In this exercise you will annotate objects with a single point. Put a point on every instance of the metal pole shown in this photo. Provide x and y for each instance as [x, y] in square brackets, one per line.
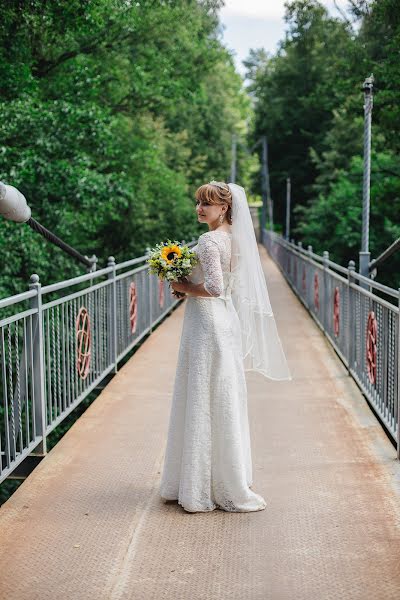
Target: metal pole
[326, 299]
[39, 395]
[267, 201]
[263, 190]
[233, 161]
[288, 191]
[364, 254]
[112, 315]
[351, 323]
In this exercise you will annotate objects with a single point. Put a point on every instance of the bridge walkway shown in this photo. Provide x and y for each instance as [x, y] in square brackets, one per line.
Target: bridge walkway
[88, 523]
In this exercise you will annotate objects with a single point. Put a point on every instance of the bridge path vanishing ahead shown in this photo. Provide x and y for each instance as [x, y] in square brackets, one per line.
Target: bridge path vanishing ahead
[88, 523]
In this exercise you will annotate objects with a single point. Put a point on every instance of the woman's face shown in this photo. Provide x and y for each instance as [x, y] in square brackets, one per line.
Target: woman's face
[208, 213]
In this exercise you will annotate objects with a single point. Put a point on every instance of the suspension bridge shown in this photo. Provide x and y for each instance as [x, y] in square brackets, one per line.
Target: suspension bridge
[88, 521]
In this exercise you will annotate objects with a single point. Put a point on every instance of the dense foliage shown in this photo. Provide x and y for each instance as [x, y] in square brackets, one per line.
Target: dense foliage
[113, 112]
[309, 102]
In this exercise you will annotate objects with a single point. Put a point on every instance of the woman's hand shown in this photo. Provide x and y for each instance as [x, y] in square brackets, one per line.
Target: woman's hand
[187, 288]
[178, 295]
[180, 285]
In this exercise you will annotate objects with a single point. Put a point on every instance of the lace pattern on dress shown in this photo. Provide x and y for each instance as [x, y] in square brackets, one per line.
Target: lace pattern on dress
[214, 255]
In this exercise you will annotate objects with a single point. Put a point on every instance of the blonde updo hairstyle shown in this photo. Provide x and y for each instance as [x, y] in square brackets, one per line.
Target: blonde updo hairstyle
[217, 192]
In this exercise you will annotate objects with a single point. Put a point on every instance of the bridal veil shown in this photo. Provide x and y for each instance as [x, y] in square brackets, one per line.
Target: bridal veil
[261, 345]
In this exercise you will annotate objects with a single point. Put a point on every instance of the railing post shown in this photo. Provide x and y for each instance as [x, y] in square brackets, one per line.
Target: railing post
[325, 260]
[150, 296]
[39, 398]
[112, 314]
[351, 308]
[398, 375]
[310, 287]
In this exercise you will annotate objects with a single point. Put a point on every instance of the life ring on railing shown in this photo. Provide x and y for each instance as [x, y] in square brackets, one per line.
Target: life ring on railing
[336, 311]
[316, 291]
[372, 329]
[83, 342]
[133, 306]
[161, 293]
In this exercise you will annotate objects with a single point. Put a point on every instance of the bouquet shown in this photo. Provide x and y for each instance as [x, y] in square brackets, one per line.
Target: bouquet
[172, 261]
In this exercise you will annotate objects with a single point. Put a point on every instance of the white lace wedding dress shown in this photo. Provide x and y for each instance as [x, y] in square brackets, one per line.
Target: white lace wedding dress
[208, 456]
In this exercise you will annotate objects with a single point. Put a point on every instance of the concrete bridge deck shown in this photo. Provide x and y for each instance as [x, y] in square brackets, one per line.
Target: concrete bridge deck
[88, 523]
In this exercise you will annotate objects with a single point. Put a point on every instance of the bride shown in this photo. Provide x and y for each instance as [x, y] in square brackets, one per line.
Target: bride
[228, 328]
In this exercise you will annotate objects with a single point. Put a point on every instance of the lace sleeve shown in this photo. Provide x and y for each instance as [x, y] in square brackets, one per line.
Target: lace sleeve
[209, 256]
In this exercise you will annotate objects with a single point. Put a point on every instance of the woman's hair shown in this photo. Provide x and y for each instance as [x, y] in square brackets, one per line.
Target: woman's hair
[217, 192]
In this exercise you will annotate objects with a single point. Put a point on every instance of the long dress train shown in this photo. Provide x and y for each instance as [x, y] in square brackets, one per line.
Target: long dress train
[207, 461]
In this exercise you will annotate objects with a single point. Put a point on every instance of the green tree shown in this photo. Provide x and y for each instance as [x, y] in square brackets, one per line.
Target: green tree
[113, 113]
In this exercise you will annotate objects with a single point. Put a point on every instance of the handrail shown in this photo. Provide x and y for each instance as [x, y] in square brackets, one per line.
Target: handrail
[318, 258]
[54, 354]
[362, 327]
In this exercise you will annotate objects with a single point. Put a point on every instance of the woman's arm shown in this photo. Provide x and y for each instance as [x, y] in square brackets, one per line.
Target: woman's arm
[191, 289]
[210, 261]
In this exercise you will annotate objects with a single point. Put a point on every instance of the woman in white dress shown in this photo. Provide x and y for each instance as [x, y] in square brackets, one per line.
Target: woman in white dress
[228, 327]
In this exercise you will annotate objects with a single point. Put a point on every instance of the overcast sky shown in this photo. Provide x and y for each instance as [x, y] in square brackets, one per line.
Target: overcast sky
[257, 24]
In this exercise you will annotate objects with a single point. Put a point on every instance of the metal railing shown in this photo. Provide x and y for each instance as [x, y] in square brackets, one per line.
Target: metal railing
[69, 336]
[362, 326]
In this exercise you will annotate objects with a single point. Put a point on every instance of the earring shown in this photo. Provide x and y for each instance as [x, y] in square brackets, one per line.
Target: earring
[221, 218]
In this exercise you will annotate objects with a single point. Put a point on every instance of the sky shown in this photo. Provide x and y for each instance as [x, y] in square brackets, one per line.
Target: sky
[257, 24]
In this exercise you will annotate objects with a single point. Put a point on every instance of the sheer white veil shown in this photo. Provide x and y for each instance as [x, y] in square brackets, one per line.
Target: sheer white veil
[261, 345]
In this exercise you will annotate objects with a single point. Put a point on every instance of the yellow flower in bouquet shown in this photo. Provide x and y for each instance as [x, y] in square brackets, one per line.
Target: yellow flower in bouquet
[169, 253]
[172, 261]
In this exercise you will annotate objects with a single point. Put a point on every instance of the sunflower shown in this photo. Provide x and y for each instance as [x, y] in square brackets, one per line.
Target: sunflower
[169, 253]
